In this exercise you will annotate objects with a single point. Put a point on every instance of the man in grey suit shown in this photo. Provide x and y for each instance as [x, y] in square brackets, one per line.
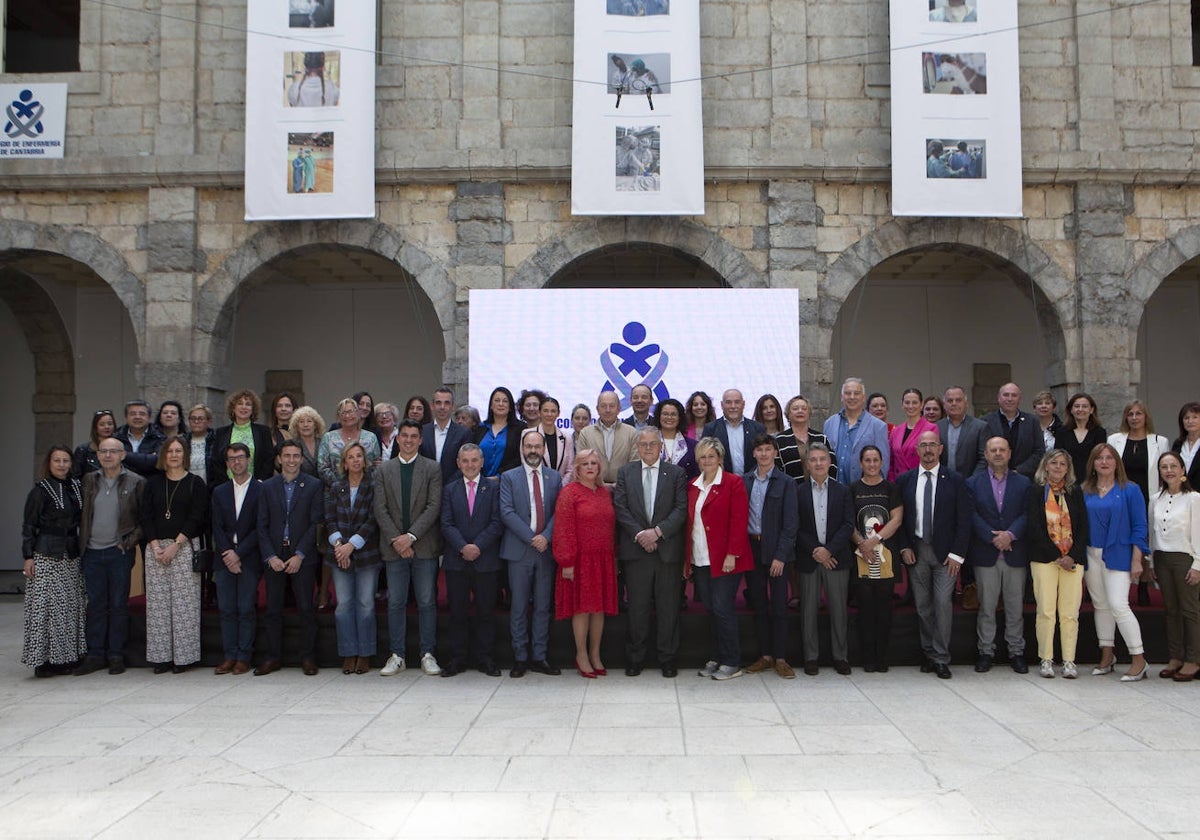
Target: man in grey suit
[408, 505]
[963, 435]
[651, 503]
[1019, 428]
[528, 494]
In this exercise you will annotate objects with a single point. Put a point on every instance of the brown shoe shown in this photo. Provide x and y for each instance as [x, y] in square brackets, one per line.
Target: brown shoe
[240, 667]
[784, 670]
[225, 667]
[970, 598]
[309, 666]
[841, 666]
[363, 665]
[811, 668]
[764, 663]
[349, 663]
[269, 666]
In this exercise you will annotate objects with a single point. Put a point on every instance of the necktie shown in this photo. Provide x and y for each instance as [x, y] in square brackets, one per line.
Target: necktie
[538, 506]
[648, 490]
[927, 509]
[470, 497]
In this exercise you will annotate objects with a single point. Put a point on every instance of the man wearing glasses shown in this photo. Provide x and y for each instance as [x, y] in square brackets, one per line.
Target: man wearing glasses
[238, 564]
[109, 531]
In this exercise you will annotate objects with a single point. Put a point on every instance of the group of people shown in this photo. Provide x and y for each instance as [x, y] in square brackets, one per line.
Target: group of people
[574, 523]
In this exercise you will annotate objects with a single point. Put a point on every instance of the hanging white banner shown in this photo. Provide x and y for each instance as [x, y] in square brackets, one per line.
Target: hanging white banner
[956, 108]
[310, 109]
[637, 138]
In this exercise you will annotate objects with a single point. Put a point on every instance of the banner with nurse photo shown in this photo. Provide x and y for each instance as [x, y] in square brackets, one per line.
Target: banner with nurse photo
[956, 108]
[637, 144]
[310, 109]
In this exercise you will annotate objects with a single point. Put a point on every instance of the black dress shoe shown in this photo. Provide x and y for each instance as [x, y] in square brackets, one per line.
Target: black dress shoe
[670, 671]
[179, 669]
[116, 665]
[452, 670]
[811, 668]
[489, 669]
[943, 671]
[269, 666]
[309, 666]
[519, 670]
[927, 667]
[842, 667]
[868, 668]
[983, 664]
[633, 670]
[1019, 664]
[543, 666]
[162, 667]
[89, 665]
[881, 669]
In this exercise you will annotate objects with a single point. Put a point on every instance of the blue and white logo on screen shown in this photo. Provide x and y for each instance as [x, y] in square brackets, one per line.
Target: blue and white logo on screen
[24, 116]
[634, 358]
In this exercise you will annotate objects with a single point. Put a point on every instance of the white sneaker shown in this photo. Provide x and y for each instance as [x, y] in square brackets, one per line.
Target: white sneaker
[1047, 669]
[429, 665]
[393, 666]
[710, 668]
[1070, 672]
[727, 672]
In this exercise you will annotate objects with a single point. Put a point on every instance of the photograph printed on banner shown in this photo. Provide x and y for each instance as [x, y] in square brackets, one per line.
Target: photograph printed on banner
[952, 11]
[639, 8]
[310, 162]
[310, 14]
[954, 73]
[635, 74]
[954, 158]
[638, 164]
[312, 79]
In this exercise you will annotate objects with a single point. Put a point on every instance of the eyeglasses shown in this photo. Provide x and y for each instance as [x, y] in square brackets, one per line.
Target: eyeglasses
[110, 451]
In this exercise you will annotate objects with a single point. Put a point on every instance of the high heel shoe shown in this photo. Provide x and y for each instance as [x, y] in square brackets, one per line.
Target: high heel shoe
[1140, 675]
[1101, 670]
[589, 675]
[601, 672]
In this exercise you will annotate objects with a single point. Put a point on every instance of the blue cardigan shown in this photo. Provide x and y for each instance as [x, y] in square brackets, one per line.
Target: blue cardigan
[1126, 527]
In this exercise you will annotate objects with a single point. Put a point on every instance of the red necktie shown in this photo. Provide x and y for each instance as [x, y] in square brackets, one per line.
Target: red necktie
[538, 507]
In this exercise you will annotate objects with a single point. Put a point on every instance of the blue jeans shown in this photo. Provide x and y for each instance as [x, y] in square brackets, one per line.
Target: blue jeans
[718, 594]
[423, 573]
[355, 614]
[106, 575]
[237, 599]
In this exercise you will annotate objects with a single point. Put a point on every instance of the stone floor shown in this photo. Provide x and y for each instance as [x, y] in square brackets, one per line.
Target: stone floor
[331, 756]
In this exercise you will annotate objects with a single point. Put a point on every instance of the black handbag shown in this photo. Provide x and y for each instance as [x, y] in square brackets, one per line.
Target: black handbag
[202, 560]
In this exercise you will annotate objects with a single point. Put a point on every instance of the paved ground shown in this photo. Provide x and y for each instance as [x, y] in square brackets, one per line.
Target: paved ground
[333, 756]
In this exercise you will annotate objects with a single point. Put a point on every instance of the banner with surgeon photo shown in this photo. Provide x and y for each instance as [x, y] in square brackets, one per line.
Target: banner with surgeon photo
[593, 340]
[956, 108]
[310, 109]
[637, 142]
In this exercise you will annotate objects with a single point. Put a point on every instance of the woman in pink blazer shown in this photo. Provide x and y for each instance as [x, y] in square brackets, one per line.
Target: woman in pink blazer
[903, 436]
[718, 552]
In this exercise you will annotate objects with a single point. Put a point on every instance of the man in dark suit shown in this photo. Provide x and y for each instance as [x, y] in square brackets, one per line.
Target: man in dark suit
[937, 527]
[472, 529]
[774, 521]
[238, 564]
[289, 508]
[998, 551]
[408, 505]
[528, 494]
[823, 557]
[641, 398]
[1019, 428]
[962, 434]
[140, 438]
[735, 431]
[651, 503]
[441, 439]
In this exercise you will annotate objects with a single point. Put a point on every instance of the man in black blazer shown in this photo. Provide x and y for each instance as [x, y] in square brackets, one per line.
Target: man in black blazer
[289, 510]
[824, 555]
[963, 435]
[441, 439]
[1019, 428]
[733, 427]
[471, 528]
[774, 521]
[650, 544]
[238, 564]
[641, 399]
[937, 527]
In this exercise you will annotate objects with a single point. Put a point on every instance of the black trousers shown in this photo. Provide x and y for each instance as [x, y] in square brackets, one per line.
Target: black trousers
[302, 583]
[485, 586]
[874, 619]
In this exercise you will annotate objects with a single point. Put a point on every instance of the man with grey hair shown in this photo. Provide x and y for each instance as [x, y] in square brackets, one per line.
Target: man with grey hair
[963, 435]
[651, 503]
[853, 428]
[613, 440]
[735, 431]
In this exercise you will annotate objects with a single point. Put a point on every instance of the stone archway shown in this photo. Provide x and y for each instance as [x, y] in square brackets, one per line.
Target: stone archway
[217, 298]
[1161, 262]
[1002, 248]
[598, 234]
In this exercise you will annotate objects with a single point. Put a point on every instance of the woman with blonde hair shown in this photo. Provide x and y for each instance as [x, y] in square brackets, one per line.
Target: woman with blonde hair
[308, 427]
[329, 455]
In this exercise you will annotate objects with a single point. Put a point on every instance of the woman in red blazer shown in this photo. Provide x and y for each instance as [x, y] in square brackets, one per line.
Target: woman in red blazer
[718, 552]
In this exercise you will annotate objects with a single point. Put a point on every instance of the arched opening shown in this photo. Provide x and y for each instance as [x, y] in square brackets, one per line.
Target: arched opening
[636, 265]
[937, 315]
[1168, 345]
[326, 320]
[69, 348]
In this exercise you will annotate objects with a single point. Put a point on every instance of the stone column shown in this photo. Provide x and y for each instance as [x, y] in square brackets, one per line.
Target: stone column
[1109, 313]
[175, 129]
[476, 260]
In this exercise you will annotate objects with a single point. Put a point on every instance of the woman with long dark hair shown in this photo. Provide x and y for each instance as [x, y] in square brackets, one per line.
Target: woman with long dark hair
[699, 414]
[499, 437]
[1175, 563]
[1080, 432]
[84, 460]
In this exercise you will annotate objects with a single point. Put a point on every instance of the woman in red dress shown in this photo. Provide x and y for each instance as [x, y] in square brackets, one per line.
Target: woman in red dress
[586, 588]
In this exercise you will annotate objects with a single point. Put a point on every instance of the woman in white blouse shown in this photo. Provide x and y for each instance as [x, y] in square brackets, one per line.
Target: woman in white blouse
[1175, 553]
